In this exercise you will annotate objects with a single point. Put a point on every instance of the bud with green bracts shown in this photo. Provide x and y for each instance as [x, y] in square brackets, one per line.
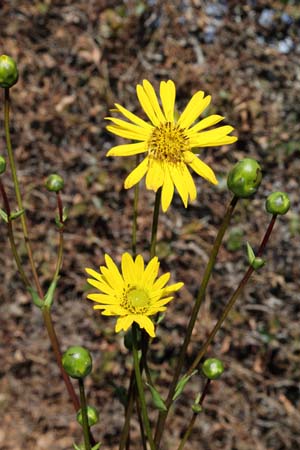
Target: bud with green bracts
[2, 165]
[212, 368]
[77, 362]
[93, 416]
[54, 183]
[244, 178]
[278, 203]
[8, 72]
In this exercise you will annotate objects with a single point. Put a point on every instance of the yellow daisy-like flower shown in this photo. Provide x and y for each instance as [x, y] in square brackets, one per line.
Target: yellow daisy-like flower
[169, 143]
[135, 294]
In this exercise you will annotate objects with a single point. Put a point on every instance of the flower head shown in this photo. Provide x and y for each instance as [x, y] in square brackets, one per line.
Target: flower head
[170, 144]
[134, 294]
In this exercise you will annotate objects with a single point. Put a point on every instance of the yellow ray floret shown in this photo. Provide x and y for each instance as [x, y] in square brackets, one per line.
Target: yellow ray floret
[170, 145]
[133, 294]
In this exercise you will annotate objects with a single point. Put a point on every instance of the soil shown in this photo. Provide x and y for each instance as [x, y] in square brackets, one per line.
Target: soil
[76, 59]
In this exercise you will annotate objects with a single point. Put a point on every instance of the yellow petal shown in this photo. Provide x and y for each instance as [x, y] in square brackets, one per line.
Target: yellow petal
[139, 267]
[168, 95]
[150, 273]
[94, 274]
[173, 288]
[211, 137]
[203, 170]
[177, 175]
[101, 286]
[155, 175]
[194, 108]
[167, 191]
[127, 126]
[123, 323]
[190, 185]
[128, 269]
[146, 105]
[205, 123]
[146, 323]
[127, 149]
[161, 281]
[150, 92]
[126, 133]
[135, 119]
[113, 270]
[137, 174]
[103, 298]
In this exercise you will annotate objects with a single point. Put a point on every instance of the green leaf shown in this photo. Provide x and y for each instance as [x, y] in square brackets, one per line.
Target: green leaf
[3, 215]
[181, 385]
[157, 400]
[250, 253]
[35, 297]
[76, 447]
[65, 214]
[48, 299]
[16, 214]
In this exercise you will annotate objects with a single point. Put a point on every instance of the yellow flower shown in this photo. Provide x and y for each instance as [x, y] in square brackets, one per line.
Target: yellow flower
[170, 144]
[134, 295]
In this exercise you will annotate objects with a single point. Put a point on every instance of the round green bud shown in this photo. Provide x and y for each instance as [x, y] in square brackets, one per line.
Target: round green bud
[77, 362]
[244, 178]
[278, 203]
[54, 183]
[212, 368]
[93, 416]
[8, 72]
[2, 165]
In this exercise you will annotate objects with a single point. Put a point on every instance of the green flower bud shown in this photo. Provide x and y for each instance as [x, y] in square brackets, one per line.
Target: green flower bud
[8, 72]
[77, 362]
[54, 183]
[93, 416]
[244, 178]
[212, 368]
[278, 203]
[2, 165]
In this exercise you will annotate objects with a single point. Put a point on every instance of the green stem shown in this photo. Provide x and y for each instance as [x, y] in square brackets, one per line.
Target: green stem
[85, 420]
[155, 224]
[55, 346]
[61, 236]
[200, 297]
[128, 413]
[194, 417]
[12, 238]
[139, 383]
[135, 213]
[233, 299]
[17, 189]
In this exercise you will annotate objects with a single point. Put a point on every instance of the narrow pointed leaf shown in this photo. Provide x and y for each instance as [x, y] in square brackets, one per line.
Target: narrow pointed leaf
[181, 384]
[16, 214]
[157, 400]
[36, 298]
[250, 253]
[48, 299]
[3, 215]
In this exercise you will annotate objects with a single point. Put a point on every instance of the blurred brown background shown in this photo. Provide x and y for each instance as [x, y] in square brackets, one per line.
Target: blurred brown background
[76, 58]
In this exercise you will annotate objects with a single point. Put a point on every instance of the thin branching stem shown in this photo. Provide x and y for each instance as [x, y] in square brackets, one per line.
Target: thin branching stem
[200, 297]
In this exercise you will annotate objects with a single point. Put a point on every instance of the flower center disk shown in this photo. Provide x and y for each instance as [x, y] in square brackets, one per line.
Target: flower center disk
[138, 298]
[168, 143]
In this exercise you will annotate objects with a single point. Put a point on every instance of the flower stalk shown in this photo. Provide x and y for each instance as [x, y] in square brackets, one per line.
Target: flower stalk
[200, 297]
